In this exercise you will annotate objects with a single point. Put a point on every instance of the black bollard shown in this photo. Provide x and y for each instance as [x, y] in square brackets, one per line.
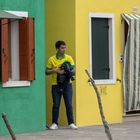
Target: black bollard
[8, 126]
[105, 124]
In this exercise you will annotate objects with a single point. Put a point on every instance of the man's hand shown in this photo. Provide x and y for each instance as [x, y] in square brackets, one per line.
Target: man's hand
[59, 70]
[55, 70]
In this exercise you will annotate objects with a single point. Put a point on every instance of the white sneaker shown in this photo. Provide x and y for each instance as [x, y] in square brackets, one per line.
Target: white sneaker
[53, 126]
[73, 126]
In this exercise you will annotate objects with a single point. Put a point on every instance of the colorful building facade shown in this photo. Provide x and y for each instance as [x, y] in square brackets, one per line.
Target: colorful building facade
[22, 87]
[93, 31]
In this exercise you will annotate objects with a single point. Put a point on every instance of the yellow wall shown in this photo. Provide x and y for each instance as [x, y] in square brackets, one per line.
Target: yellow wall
[87, 112]
[60, 25]
[68, 20]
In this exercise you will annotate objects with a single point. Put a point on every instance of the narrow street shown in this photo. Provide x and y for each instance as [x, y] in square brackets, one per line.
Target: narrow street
[124, 131]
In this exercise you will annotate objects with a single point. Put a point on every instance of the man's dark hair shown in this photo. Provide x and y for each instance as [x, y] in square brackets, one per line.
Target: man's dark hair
[59, 43]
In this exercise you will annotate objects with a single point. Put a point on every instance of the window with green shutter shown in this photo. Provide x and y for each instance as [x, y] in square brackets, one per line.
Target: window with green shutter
[102, 56]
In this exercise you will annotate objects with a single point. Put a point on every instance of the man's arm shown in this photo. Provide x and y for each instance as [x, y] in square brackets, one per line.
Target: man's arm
[52, 71]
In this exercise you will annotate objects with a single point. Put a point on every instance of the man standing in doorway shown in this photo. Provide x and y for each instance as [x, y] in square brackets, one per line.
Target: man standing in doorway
[61, 68]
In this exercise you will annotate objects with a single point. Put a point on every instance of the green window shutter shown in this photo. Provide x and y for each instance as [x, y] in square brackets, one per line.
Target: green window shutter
[100, 48]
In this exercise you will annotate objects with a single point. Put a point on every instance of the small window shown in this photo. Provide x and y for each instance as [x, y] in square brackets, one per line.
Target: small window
[102, 56]
[17, 50]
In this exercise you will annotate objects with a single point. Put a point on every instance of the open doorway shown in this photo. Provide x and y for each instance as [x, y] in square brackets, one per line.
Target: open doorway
[131, 63]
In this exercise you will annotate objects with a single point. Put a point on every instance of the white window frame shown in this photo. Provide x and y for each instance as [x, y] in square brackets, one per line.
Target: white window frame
[10, 82]
[112, 79]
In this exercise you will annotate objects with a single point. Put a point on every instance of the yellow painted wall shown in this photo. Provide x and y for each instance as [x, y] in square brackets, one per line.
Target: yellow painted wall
[68, 20]
[87, 112]
[60, 25]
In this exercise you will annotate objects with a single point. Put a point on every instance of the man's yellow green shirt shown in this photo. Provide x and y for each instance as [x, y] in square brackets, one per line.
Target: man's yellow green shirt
[55, 62]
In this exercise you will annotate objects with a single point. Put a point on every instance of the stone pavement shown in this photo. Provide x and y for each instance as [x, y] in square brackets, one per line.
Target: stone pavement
[124, 131]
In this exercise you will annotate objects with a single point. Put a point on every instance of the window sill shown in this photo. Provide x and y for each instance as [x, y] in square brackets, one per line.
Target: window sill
[16, 83]
[105, 82]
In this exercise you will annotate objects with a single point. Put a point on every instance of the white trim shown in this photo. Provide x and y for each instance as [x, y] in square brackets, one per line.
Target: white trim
[12, 83]
[110, 17]
[18, 13]
[108, 81]
[16, 83]
[90, 45]
[123, 47]
[101, 15]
